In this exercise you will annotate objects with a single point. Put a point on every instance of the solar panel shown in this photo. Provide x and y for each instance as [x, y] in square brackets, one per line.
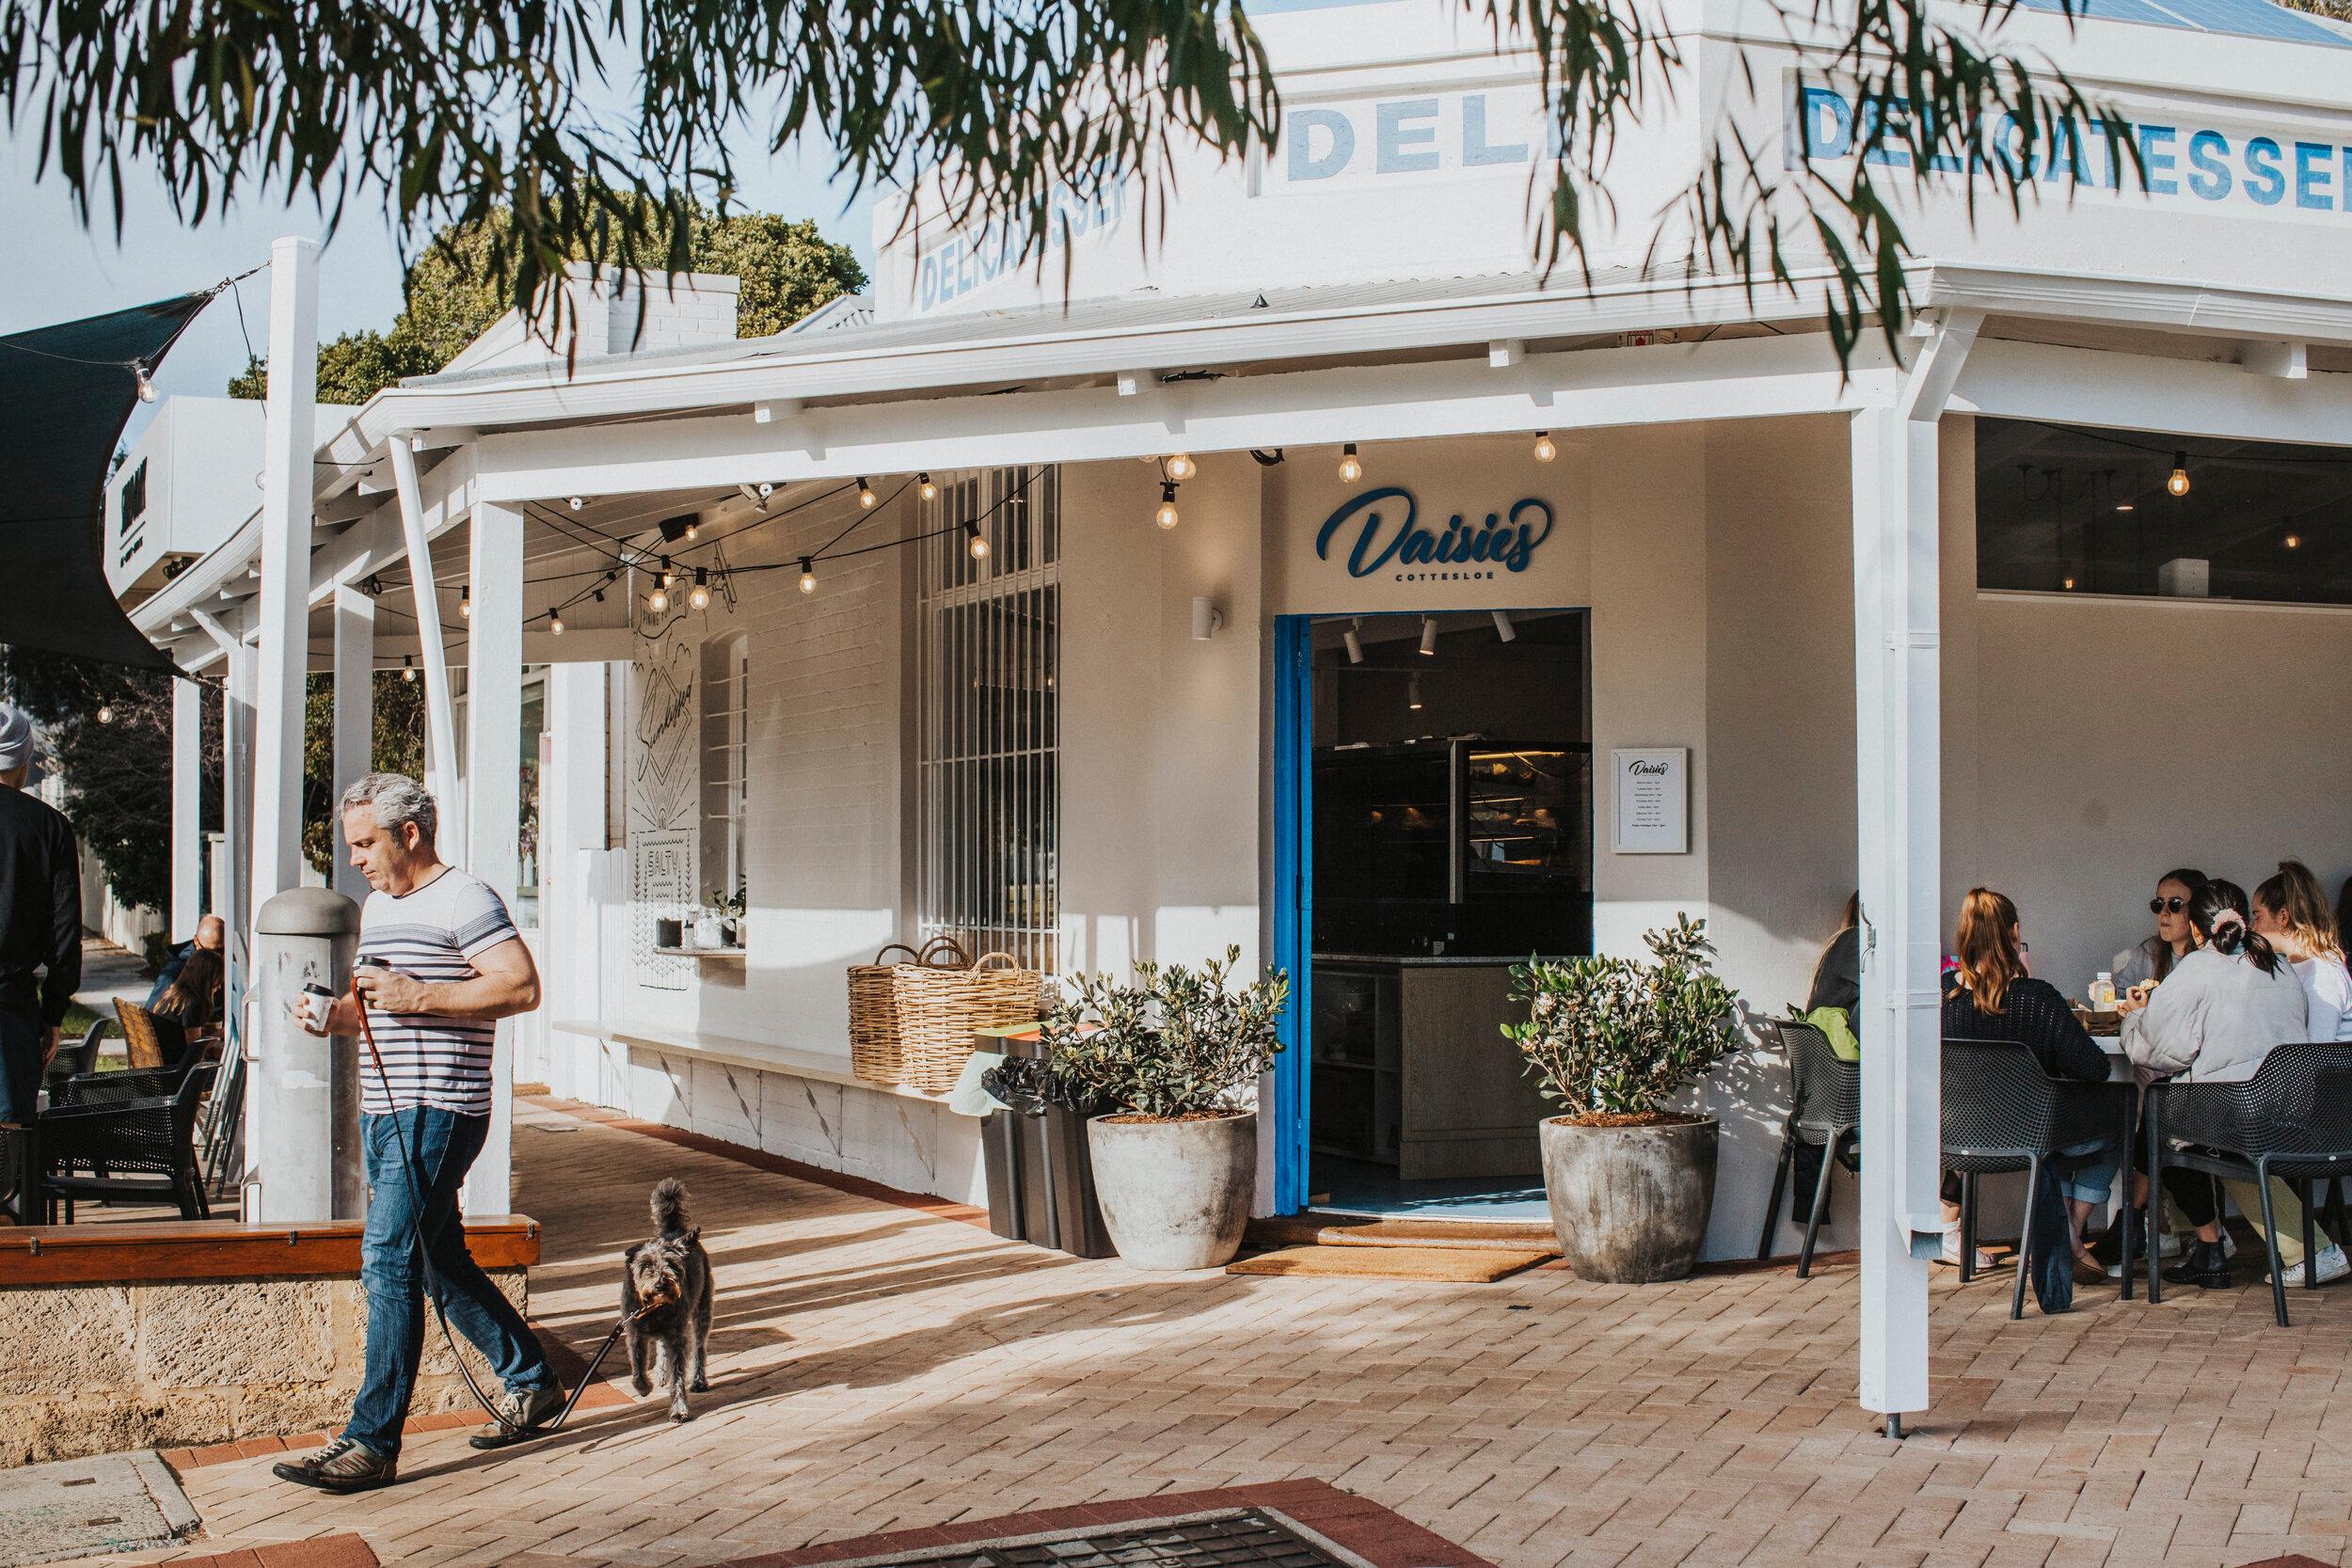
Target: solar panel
[2243, 18]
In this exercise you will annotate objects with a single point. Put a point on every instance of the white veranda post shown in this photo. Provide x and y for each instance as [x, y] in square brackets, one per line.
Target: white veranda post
[492, 850]
[355, 723]
[187, 797]
[1898, 760]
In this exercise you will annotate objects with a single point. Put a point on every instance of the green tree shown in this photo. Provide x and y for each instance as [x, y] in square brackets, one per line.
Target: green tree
[451, 111]
[787, 269]
[398, 747]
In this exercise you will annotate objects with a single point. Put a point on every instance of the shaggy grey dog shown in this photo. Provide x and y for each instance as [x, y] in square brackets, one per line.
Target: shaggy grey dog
[666, 1300]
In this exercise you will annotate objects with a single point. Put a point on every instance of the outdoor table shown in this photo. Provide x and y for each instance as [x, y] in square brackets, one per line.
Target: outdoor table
[2107, 1031]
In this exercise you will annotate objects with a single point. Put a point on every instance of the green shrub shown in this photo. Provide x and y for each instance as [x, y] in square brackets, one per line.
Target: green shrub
[1174, 1042]
[1618, 1036]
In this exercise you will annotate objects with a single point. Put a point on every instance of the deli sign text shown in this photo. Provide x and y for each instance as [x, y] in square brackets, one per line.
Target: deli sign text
[1380, 532]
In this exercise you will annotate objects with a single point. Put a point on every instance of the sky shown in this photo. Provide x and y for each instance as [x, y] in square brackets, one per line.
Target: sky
[58, 270]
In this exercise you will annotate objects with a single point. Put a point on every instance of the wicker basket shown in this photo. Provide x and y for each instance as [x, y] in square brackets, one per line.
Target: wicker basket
[911, 1024]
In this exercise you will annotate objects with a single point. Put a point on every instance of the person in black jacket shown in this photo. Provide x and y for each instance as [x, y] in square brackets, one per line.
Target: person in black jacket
[40, 925]
[1995, 997]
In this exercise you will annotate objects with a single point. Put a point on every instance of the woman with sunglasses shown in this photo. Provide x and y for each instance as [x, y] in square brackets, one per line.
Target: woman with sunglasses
[2149, 962]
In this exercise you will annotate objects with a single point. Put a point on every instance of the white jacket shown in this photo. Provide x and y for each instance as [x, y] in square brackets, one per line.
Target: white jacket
[2216, 1018]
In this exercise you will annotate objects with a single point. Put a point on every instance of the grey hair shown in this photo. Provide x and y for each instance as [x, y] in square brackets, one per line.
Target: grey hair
[395, 798]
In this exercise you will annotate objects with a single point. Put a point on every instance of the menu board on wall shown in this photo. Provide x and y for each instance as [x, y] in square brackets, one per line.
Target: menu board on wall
[1652, 801]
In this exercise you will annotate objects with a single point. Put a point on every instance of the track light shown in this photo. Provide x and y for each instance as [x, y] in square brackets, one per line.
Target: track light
[1165, 515]
[977, 541]
[1354, 643]
[579, 501]
[865, 495]
[1503, 629]
[408, 668]
[465, 602]
[928, 491]
[698, 597]
[1412, 691]
[1545, 451]
[147, 384]
[555, 623]
[659, 600]
[1351, 466]
[1429, 635]
[1182, 465]
[808, 575]
[2178, 484]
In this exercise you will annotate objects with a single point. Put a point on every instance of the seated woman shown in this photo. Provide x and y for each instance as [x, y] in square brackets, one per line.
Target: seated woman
[2291, 913]
[1997, 998]
[193, 998]
[2213, 1020]
[2149, 962]
[1833, 1005]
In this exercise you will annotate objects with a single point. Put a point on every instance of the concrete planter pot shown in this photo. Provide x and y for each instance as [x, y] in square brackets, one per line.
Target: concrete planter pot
[1175, 1195]
[1631, 1204]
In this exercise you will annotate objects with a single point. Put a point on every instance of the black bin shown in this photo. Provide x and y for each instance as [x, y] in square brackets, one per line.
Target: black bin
[1040, 1183]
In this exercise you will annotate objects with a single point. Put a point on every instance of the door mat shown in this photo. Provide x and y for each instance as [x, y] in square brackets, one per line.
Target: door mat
[1452, 1265]
[1314, 1228]
[118, 1502]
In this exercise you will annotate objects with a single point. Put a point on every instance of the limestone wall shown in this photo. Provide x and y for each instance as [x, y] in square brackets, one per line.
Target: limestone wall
[97, 1368]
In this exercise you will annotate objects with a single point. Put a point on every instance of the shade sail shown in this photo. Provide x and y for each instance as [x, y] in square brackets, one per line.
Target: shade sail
[65, 394]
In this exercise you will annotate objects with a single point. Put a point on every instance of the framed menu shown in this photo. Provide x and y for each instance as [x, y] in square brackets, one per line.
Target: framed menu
[1652, 798]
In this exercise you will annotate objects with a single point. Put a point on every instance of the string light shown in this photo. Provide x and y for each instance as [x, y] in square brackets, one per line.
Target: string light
[667, 577]
[928, 491]
[408, 668]
[698, 597]
[1351, 466]
[865, 497]
[1545, 451]
[2178, 484]
[465, 602]
[1165, 515]
[808, 576]
[2070, 585]
[105, 715]
[147, 384]
[694, 527]
[979, 541]
[555, 623]
[2293, 541]
[659, 600]
[1182, 465]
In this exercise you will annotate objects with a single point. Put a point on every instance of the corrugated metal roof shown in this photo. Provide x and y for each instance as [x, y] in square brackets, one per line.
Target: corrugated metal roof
[853, 329]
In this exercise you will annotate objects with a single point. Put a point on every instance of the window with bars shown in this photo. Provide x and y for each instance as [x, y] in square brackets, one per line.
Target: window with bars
[988, 636]
[726, 663]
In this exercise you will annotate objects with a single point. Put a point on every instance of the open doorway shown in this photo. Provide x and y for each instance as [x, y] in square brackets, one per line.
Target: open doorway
[1449, 836]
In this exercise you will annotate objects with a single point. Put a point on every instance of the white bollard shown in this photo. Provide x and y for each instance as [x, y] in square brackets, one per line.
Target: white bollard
[304, 1099]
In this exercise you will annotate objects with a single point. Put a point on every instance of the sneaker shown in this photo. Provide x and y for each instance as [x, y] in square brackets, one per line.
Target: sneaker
[521, 1413]
[343, 1465]
[2206, 1265]
[1950, 1255]
[2334, 1266]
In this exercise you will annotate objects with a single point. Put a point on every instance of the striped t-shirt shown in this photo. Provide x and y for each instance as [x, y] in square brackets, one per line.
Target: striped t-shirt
[432, 933]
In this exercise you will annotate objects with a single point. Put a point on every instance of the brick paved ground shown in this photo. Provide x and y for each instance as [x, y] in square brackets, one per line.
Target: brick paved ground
[882, 1369]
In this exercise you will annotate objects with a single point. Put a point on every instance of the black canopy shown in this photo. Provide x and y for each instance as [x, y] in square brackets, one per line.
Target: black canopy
[65, 393]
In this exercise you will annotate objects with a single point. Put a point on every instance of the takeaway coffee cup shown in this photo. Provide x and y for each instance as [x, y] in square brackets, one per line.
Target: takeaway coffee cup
[322, 1001]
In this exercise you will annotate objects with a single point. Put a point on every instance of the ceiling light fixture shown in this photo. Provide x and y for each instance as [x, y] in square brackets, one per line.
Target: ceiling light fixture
[1412, 691]
[579, 501]
[1429, 635]
[1353, 642]
[2178, 484]
[1503, 629]
[1166, 516]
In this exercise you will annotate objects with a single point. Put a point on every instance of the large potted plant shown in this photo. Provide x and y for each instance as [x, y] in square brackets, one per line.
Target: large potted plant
[1169, 1056]
[1610, 1040]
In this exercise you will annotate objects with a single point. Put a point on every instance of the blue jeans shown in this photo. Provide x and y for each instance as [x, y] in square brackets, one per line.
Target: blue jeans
[444, 1144]
[2091, 1183]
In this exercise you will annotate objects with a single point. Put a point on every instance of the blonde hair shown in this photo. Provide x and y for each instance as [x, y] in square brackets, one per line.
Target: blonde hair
[2296, 897]
[1986, 944]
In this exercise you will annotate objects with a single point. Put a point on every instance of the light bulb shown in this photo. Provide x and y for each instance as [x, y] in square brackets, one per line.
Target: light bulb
[692, 529]
[147, 384]
[699, 595]
[930, 492]
[979, 541]
[555, 623]
[808, 576]
[1545, 451]
[408, 668]
[1351, 467]
[579, 501]
[465, 603]
[1182, 465]
[865, 495]
[105, 715]
[1165, 515]
[2293, 541]
[667, 577]
[658, 601]
[2178, 484]
[2070, 585]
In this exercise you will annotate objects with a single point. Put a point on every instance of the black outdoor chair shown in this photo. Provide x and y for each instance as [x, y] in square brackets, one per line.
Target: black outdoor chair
[2292, 1120]
[142, 1147]
[2003, 1113]
[81, 1056]
[1824, 1111]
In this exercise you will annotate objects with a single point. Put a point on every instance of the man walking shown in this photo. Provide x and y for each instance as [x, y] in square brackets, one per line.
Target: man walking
[439, 963]
[41, 927]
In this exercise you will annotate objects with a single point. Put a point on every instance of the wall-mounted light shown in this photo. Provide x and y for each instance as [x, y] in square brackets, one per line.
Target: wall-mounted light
[1351, 466]
[974, 541]
[808, 575]
[1165, 515]
[865, 497]
[2068, 585]
[1207, 620]
[1503, 629]
[1545, 449]
[2178, 484]
[1181, 465]
[1412, 691]
[928, 491]
[555, 623]
[698, 597]
[1352, 639]
[1429, 635]
[464, 601]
